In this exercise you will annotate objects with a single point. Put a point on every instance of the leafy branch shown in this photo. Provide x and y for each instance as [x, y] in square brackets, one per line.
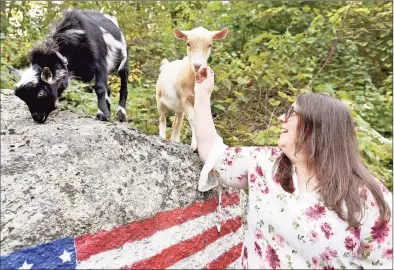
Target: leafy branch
[331, 49]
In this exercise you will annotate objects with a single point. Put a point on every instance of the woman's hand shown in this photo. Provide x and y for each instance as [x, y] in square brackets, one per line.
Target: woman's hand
[204, 82]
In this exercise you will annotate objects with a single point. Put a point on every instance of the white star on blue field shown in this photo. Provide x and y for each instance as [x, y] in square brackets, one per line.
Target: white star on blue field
[59, 254]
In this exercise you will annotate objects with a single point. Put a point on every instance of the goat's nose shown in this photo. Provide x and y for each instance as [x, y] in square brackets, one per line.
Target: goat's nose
[197, 66]
[39, 117]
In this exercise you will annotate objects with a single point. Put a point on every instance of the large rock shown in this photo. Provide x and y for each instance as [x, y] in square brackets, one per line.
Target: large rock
[75, 175]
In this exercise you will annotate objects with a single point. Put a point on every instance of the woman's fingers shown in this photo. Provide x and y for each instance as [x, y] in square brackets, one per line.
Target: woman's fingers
[204, 81]
[205, 73]
[201, 76]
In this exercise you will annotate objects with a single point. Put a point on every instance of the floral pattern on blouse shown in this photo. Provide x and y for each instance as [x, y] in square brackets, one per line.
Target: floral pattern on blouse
[293, 231]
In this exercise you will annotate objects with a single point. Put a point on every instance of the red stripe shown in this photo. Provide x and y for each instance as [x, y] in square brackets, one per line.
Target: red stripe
[226, 259]
[90, 244]
[175, 253]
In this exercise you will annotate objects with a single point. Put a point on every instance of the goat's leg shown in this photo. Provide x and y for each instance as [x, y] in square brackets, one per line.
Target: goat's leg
[162, 119]
[123, 74]
[101, 90]
[176, 127]
[190, 118]
[108, 97]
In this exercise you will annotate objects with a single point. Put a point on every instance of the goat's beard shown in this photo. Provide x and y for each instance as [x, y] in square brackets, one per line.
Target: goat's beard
[200, 76]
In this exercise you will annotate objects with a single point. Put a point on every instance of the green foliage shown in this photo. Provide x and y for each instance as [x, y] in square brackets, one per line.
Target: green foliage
[274, 50]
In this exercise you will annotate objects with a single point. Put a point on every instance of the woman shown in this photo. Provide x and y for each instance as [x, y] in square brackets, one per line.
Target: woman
[312, 202]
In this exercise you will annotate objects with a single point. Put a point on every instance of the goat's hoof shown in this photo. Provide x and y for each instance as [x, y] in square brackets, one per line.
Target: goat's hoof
[193, 147]
[120, 116]
[102, 117]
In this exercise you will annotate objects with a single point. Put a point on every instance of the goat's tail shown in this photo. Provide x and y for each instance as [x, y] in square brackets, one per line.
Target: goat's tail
[163, 63]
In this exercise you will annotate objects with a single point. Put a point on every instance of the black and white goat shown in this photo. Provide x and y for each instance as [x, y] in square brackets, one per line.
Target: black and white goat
[86, 45]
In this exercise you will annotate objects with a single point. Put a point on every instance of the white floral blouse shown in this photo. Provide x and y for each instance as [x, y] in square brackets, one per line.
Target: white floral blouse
[286, 230]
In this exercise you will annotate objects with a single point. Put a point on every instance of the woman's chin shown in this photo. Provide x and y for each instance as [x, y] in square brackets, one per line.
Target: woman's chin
[281, 144]
[282, 139]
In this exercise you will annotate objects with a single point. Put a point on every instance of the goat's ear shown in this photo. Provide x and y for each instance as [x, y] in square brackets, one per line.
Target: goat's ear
[180, 34]
[46, 75]
[14, 71]
[220, 34]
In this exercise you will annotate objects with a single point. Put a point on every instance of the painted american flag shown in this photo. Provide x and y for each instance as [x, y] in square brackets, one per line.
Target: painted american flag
[183, 238]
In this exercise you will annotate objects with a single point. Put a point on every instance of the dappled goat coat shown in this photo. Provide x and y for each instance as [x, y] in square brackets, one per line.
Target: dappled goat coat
[86, 45]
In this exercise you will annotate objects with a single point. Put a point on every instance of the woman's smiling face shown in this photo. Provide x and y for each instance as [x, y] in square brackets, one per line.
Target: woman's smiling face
[288, 136]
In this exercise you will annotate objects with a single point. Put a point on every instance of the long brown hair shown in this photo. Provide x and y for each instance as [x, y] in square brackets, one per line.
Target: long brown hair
[326, 133]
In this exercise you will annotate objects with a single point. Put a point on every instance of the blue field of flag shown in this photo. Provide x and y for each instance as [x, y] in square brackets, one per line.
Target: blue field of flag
[59, 254]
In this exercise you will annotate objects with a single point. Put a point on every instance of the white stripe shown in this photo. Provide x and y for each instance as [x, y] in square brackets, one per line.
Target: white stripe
[211, 252]
[124, 53]
[74, 31]
[123, 110]
[112, 19]
[236, 264]
[28, 76]
[112, 46]
[148, 247]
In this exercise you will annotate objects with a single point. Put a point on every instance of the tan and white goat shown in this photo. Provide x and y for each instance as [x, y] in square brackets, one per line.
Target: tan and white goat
[175, 85]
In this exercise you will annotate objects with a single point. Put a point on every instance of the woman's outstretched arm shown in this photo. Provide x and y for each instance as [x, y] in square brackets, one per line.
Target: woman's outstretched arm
[205, 129]
[227, 166]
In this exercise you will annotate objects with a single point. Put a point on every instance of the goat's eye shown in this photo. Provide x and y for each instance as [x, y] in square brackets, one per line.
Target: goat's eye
[41, 94]
[209, 46]
[188, 44]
